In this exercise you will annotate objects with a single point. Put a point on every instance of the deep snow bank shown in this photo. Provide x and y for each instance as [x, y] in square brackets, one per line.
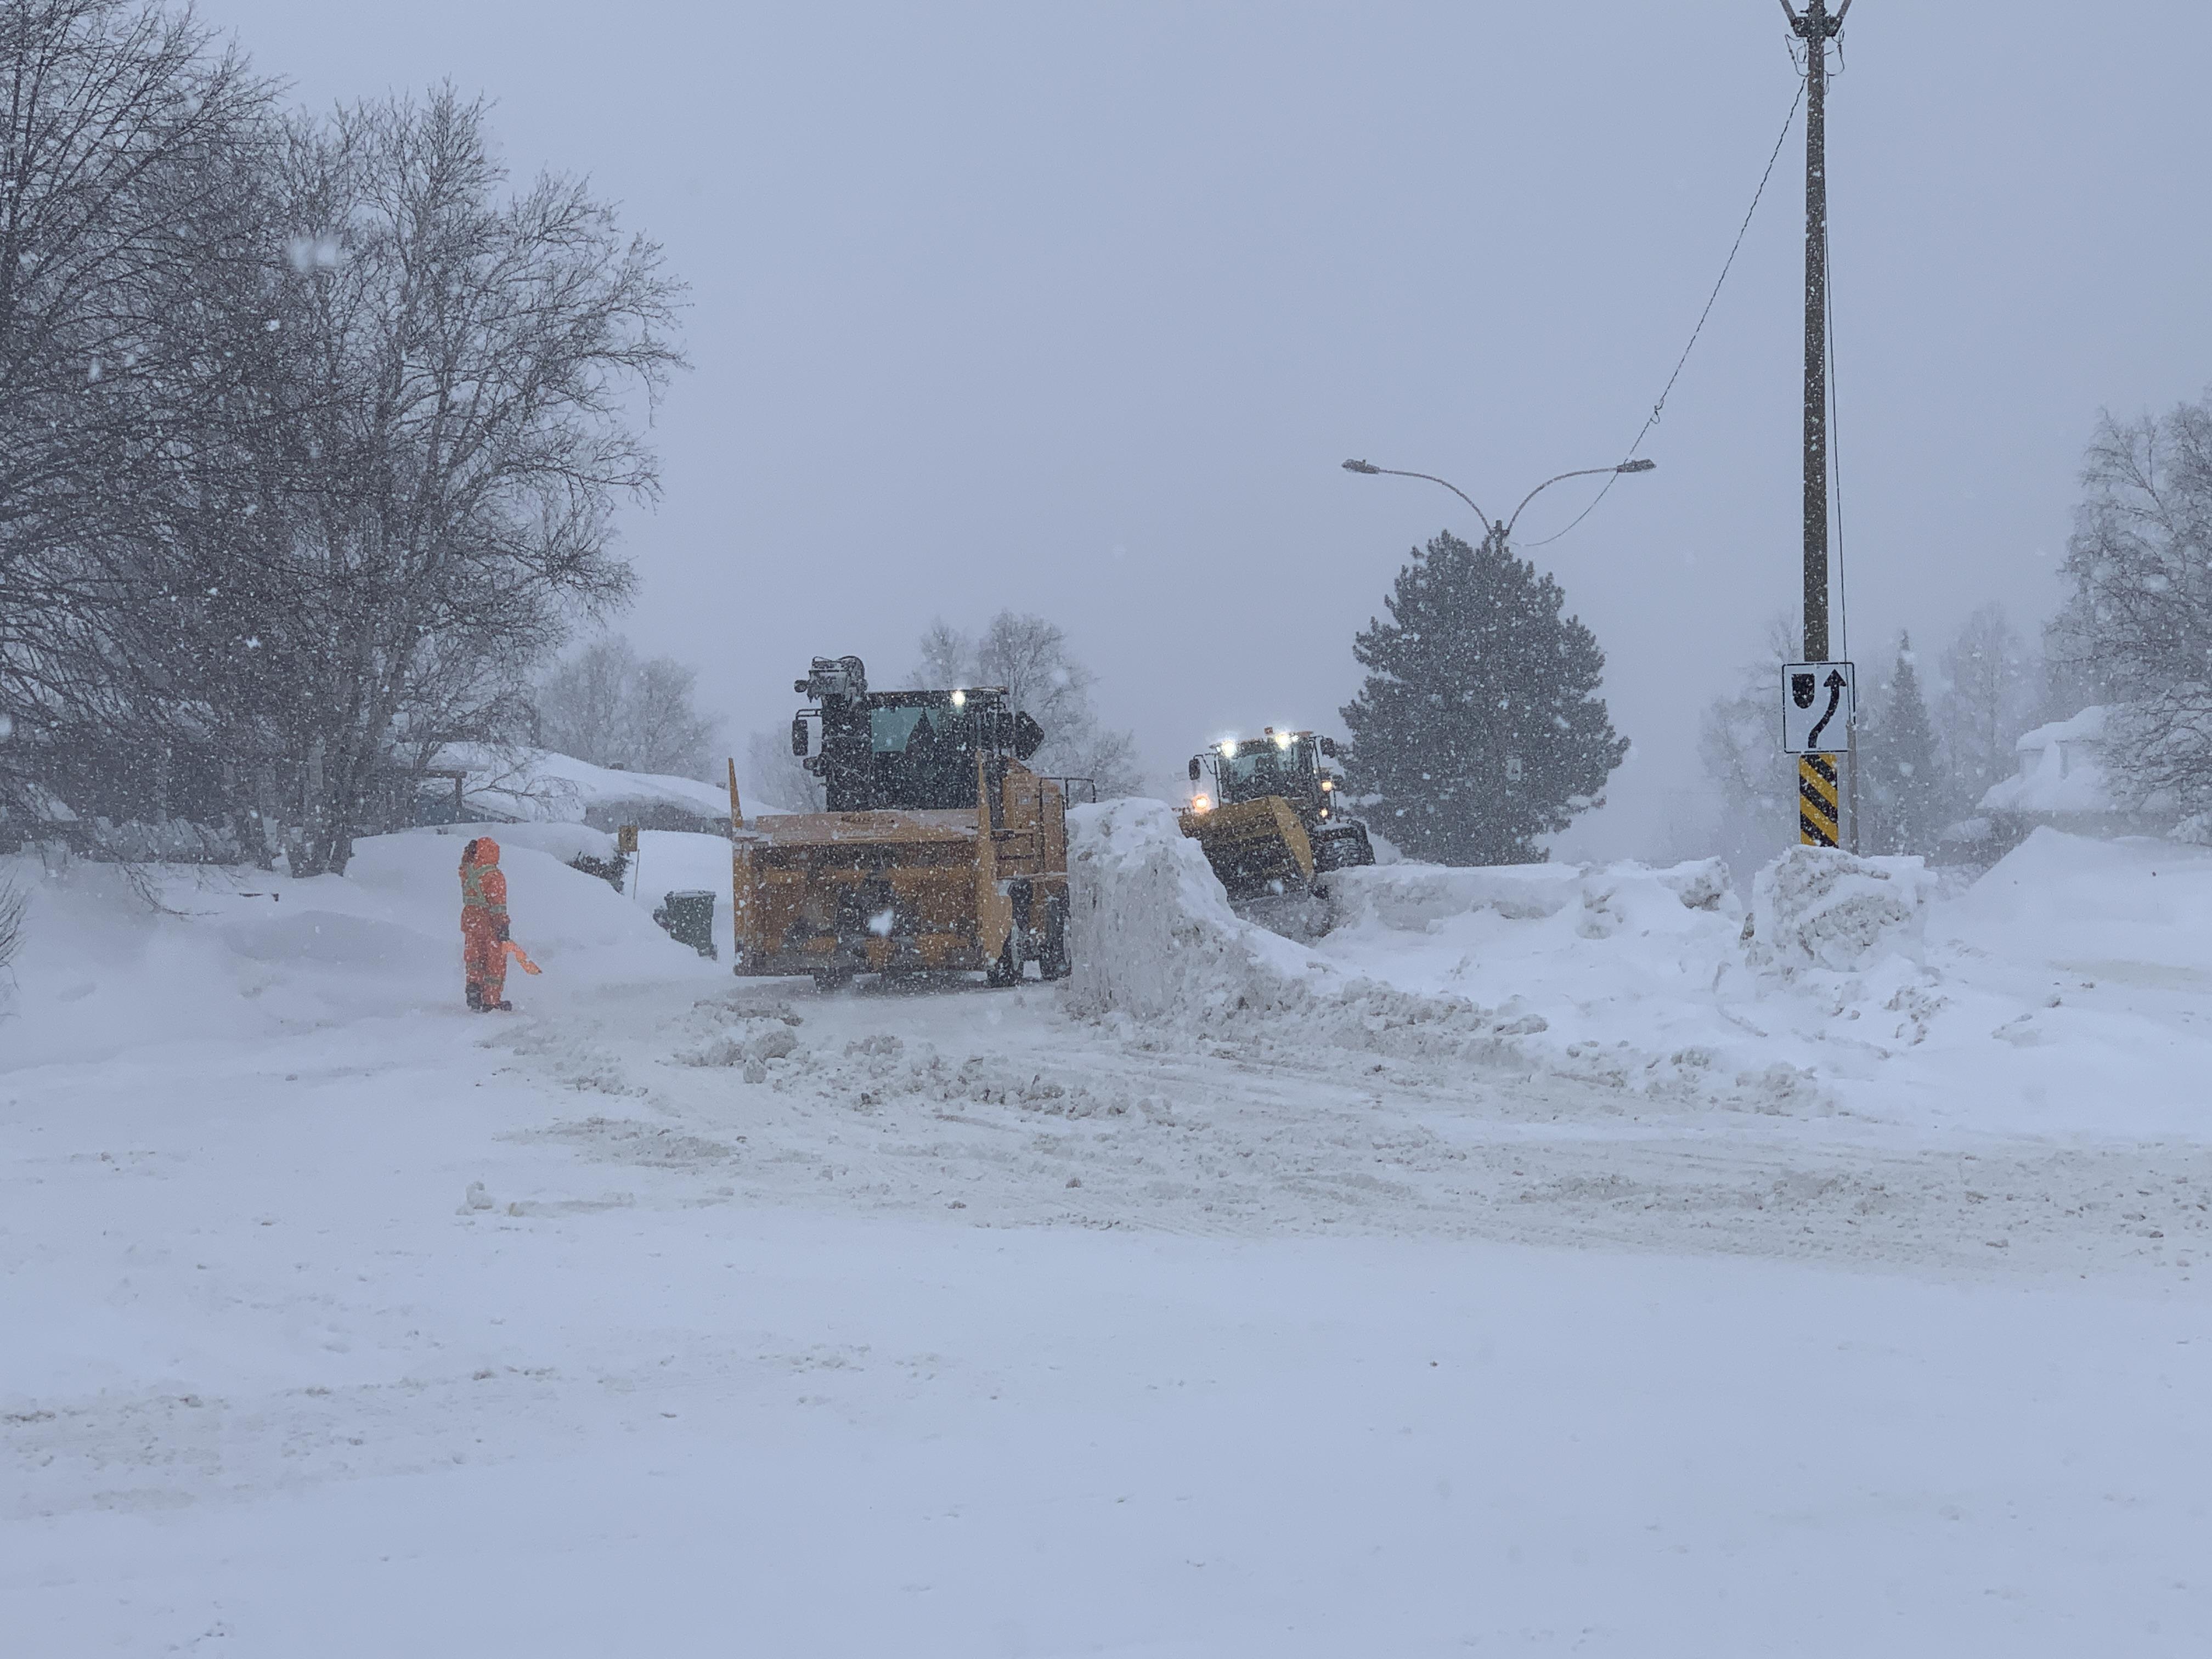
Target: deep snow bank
[565, 841]
[237, 953]
[1416, 897]
[1151, 931]
[1603, 972]
[542, 785]
[1576, 949]
[2138, 905]
[1821, 907]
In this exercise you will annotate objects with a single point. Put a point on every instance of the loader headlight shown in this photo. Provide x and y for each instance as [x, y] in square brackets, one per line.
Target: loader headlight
[1282, 740]
[1228, 748]
[959, 699]
[1329, 783]
[1201, 802]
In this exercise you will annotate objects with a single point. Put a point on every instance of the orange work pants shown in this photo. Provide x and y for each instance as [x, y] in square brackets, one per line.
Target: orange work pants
[483, 958]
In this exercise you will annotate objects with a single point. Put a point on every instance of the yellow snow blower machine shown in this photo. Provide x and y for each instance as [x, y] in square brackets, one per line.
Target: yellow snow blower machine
[939, 850]
[1274, 817]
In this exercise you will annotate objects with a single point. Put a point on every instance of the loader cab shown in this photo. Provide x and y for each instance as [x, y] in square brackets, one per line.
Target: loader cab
[903, 751]
[1285, 764]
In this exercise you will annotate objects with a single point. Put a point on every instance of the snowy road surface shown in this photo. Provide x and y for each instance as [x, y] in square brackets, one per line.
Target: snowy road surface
[943, 1322]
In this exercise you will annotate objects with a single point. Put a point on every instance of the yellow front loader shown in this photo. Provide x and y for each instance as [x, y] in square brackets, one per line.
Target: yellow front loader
[1275, 817]
[939, 851]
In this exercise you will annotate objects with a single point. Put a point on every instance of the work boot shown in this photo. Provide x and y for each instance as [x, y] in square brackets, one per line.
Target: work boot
[476, 999]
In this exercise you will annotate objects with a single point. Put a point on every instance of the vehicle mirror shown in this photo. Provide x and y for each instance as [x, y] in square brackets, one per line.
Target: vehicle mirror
[1028, 736]
[798, 736]
[1193, 768]
[1328, 747]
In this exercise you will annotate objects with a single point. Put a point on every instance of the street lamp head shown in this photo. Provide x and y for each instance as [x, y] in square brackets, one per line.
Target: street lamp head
[1361, 466]
[1635, 466]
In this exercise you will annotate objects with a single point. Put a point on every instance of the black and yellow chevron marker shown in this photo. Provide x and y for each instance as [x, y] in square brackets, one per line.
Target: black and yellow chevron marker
[1817, 816]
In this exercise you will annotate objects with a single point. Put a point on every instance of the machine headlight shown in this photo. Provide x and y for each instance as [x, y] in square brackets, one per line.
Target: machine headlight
[959, 699]
[1201, 804]
[1282, 740]
[1329, 783]
[1228, 747]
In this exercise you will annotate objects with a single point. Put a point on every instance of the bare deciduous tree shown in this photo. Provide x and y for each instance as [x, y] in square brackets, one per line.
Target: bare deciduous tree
[1740, 742]
[457, 437]
[774, 779]
[310, 433]
[1988, 701]
[1031, 658]
[15, 905]
[131, 150]
[608, 706]
[2140, 619]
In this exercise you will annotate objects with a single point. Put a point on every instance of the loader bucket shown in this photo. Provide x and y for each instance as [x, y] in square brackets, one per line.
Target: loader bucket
[1255, 846]
[836, 894]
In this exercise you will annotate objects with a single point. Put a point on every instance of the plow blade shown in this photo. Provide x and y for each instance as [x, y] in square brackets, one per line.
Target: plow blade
[1255, 846]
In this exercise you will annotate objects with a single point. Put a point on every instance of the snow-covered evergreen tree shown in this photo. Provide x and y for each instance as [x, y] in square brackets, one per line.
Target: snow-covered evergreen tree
[1479, 728]
[1901, 787]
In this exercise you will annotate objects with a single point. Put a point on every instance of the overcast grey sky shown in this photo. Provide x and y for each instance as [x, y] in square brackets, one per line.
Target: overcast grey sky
[1077, 308]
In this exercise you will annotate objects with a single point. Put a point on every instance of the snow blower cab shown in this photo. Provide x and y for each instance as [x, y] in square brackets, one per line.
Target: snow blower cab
[938, 850]
[1269, 814]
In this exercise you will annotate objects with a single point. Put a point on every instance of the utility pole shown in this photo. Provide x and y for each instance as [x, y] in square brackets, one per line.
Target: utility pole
[1818, 809]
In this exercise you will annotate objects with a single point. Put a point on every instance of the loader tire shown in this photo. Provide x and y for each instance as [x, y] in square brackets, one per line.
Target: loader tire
[1344, 847]
[1007, 969]
[829, 980]
[1052, 961]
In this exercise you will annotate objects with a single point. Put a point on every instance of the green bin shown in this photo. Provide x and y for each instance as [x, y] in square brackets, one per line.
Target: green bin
[689, 918]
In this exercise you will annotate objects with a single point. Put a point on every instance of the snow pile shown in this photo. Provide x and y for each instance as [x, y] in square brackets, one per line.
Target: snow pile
[1604, 971]
[2062, 771]
[538, 785]
[1821, 907]
[559, 915]
[1417, 897]
[1151, 931]
[1424, 898]
[2135, 907]
[565, 841]
[243, 954]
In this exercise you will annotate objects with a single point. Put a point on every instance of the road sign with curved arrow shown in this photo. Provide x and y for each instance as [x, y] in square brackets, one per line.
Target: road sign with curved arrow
[1817, 700]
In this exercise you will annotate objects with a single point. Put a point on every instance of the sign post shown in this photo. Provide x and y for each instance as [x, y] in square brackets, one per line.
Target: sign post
[1818, 807]
[626, 847]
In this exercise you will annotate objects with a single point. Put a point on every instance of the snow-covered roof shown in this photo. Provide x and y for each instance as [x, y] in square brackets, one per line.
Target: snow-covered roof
[2087, 727]
[541, 786]
[2062, 771]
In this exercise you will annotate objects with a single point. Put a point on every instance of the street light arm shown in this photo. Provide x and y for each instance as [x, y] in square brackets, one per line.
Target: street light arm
[1579, 472]
[1393, 473]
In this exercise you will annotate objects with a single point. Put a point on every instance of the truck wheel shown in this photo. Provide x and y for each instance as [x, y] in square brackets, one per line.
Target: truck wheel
[1053, 962]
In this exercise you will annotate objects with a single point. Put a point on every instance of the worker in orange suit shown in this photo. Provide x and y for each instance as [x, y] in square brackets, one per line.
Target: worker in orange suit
[483, 926]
